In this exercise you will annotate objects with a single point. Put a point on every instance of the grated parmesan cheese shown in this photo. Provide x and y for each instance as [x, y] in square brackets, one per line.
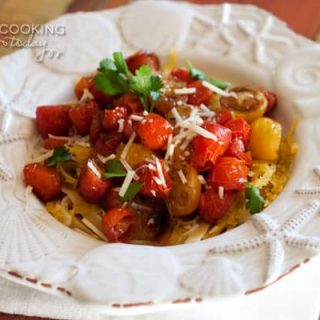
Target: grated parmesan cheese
[127, 146]
[202, 179]
[106, 159]
[221, 192]
[121, 125]
[94, 169]
[184, 91]
[125, 185]
[215, 89]
[160, 172]
[135, 117]
[182, 177]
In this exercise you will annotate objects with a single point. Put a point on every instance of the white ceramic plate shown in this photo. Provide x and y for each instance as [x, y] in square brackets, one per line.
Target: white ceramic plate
[242, 44]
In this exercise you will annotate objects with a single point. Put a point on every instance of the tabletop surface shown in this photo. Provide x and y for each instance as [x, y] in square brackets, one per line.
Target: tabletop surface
[302, 16]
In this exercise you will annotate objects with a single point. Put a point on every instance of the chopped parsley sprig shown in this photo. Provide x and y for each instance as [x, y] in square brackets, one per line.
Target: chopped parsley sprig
[201, 75]
[60, 154]
[254, 200]
[115, 169]
[114, 78]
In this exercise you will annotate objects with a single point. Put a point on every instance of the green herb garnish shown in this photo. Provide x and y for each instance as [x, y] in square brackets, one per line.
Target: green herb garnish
[200, 75]
[60, 154]
[132, 191]
[254, 201]
[115, 169]
[114, 78]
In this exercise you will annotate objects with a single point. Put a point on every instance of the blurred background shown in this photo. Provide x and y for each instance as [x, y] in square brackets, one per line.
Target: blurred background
[301, 16]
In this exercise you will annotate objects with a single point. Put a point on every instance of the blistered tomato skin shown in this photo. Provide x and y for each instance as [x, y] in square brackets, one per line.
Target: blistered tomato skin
[91, 187]
[53, 120]
[240, 129]
[112, 117]
[213, 207]
[45, 181]
[107, 143]
[143, 57]
[207, 151]
[81, 116]
[182, 74]
[202, 95]
[223, 116]
[154, 131]
[265, 139]
[130, 101]
[52, 143]
[118, 224]
[152, 185]
[229, 173]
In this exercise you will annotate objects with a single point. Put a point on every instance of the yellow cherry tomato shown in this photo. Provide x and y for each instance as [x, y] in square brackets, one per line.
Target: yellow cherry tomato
[184, 196]
[265, 139]
[249, 103]
[136, 153]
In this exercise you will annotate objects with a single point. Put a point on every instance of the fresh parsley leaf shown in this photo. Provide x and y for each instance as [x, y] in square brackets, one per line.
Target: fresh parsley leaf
[196, 73]
[121, 64]
[200, 75]
[60, 154]
[254, 201]
[107, 65]
[114, 169]
[111, 82]
[219, 83]
[132, 190]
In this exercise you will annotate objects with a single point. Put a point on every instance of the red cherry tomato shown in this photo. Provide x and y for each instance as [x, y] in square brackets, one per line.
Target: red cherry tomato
[237, 150]
[229, 173]
[118, 224]
[202, 95]
[91, 187]
[96, 126]
[151, 181]
[130, 101]
[113, 200]
[111, 118]
[212, 207]
[81, 116]
[240, 129]
[52, 143]
[143, 57]
[207, 151]
[53, 120]
[107, 143]
[45, 181]
[271, 97]
[88, 83]
[154, 131]
[223, 116]
[182, 74]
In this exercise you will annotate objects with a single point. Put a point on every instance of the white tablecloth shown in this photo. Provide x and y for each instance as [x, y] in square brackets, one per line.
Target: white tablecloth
[295, 297]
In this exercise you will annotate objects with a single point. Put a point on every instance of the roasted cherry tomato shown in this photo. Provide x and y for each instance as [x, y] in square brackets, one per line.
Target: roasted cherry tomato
[202, 95]
[45, 181]
[130, 101]
[91, 186]
[223, 116]
[118, 224]
[154, 131]
[113, 200]
[184, 196]
[229, 173]
[53, 120]
[81, 116]
[249, 103]
[240, 129]
[96, 126]
[237, 149]
[182, 74]
[88, 83]
[155, 179]
[265, 139]
[52, 143]
[213, 207]
[107, 143]
[111, 118]
[143, 57]
[206, 151]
